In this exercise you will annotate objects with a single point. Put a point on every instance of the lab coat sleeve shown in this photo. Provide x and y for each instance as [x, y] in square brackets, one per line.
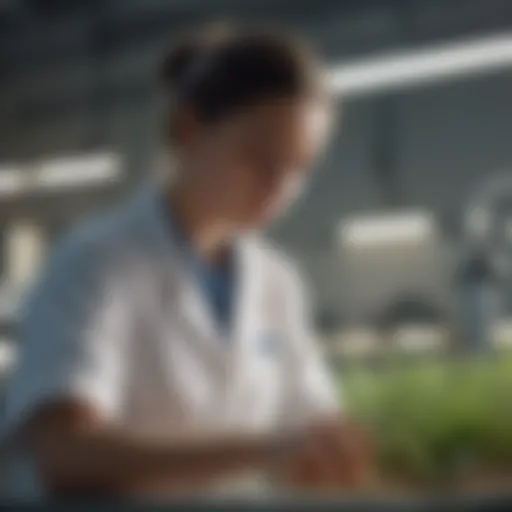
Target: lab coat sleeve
[314, 390]
[72, 337]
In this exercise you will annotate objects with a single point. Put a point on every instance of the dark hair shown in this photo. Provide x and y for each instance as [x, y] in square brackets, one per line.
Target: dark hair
[220, 69]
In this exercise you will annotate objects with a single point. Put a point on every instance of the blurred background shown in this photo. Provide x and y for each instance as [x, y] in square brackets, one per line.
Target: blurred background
[406, 233]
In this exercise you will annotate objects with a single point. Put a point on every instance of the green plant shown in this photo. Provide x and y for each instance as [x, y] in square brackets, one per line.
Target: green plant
[435, 421]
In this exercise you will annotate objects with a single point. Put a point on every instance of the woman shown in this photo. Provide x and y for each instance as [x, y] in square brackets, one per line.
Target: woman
[166, 347]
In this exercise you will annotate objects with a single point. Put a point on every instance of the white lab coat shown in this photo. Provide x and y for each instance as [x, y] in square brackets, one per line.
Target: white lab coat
[116, 320]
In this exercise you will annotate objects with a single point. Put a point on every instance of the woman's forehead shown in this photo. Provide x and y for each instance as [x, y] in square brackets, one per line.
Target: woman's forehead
[280, 122]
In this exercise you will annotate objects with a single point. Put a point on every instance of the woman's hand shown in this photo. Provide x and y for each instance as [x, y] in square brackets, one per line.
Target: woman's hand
[334, 456]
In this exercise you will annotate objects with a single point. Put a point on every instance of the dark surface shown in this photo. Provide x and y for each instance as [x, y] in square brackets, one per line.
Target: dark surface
[440, 504]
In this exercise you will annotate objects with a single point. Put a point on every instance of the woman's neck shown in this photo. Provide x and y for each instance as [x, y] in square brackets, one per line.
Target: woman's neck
[209, 236]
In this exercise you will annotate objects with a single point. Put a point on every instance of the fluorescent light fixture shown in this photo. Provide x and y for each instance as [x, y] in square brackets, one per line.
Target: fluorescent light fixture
[386, 228]
[62, 172]
[76, 171]
[12, 181]
[25, 246]
[411, 68]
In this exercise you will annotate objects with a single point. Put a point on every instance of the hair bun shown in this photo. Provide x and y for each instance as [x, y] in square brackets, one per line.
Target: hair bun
[178, 61]
[189, 49]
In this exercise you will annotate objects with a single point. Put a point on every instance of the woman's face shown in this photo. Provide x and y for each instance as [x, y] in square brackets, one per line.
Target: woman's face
[252, 165]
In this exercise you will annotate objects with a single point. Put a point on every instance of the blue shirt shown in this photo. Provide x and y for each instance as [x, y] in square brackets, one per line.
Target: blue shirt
[217, 282]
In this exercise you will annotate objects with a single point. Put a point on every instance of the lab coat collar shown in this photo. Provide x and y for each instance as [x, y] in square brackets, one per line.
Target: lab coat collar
[193, 306]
